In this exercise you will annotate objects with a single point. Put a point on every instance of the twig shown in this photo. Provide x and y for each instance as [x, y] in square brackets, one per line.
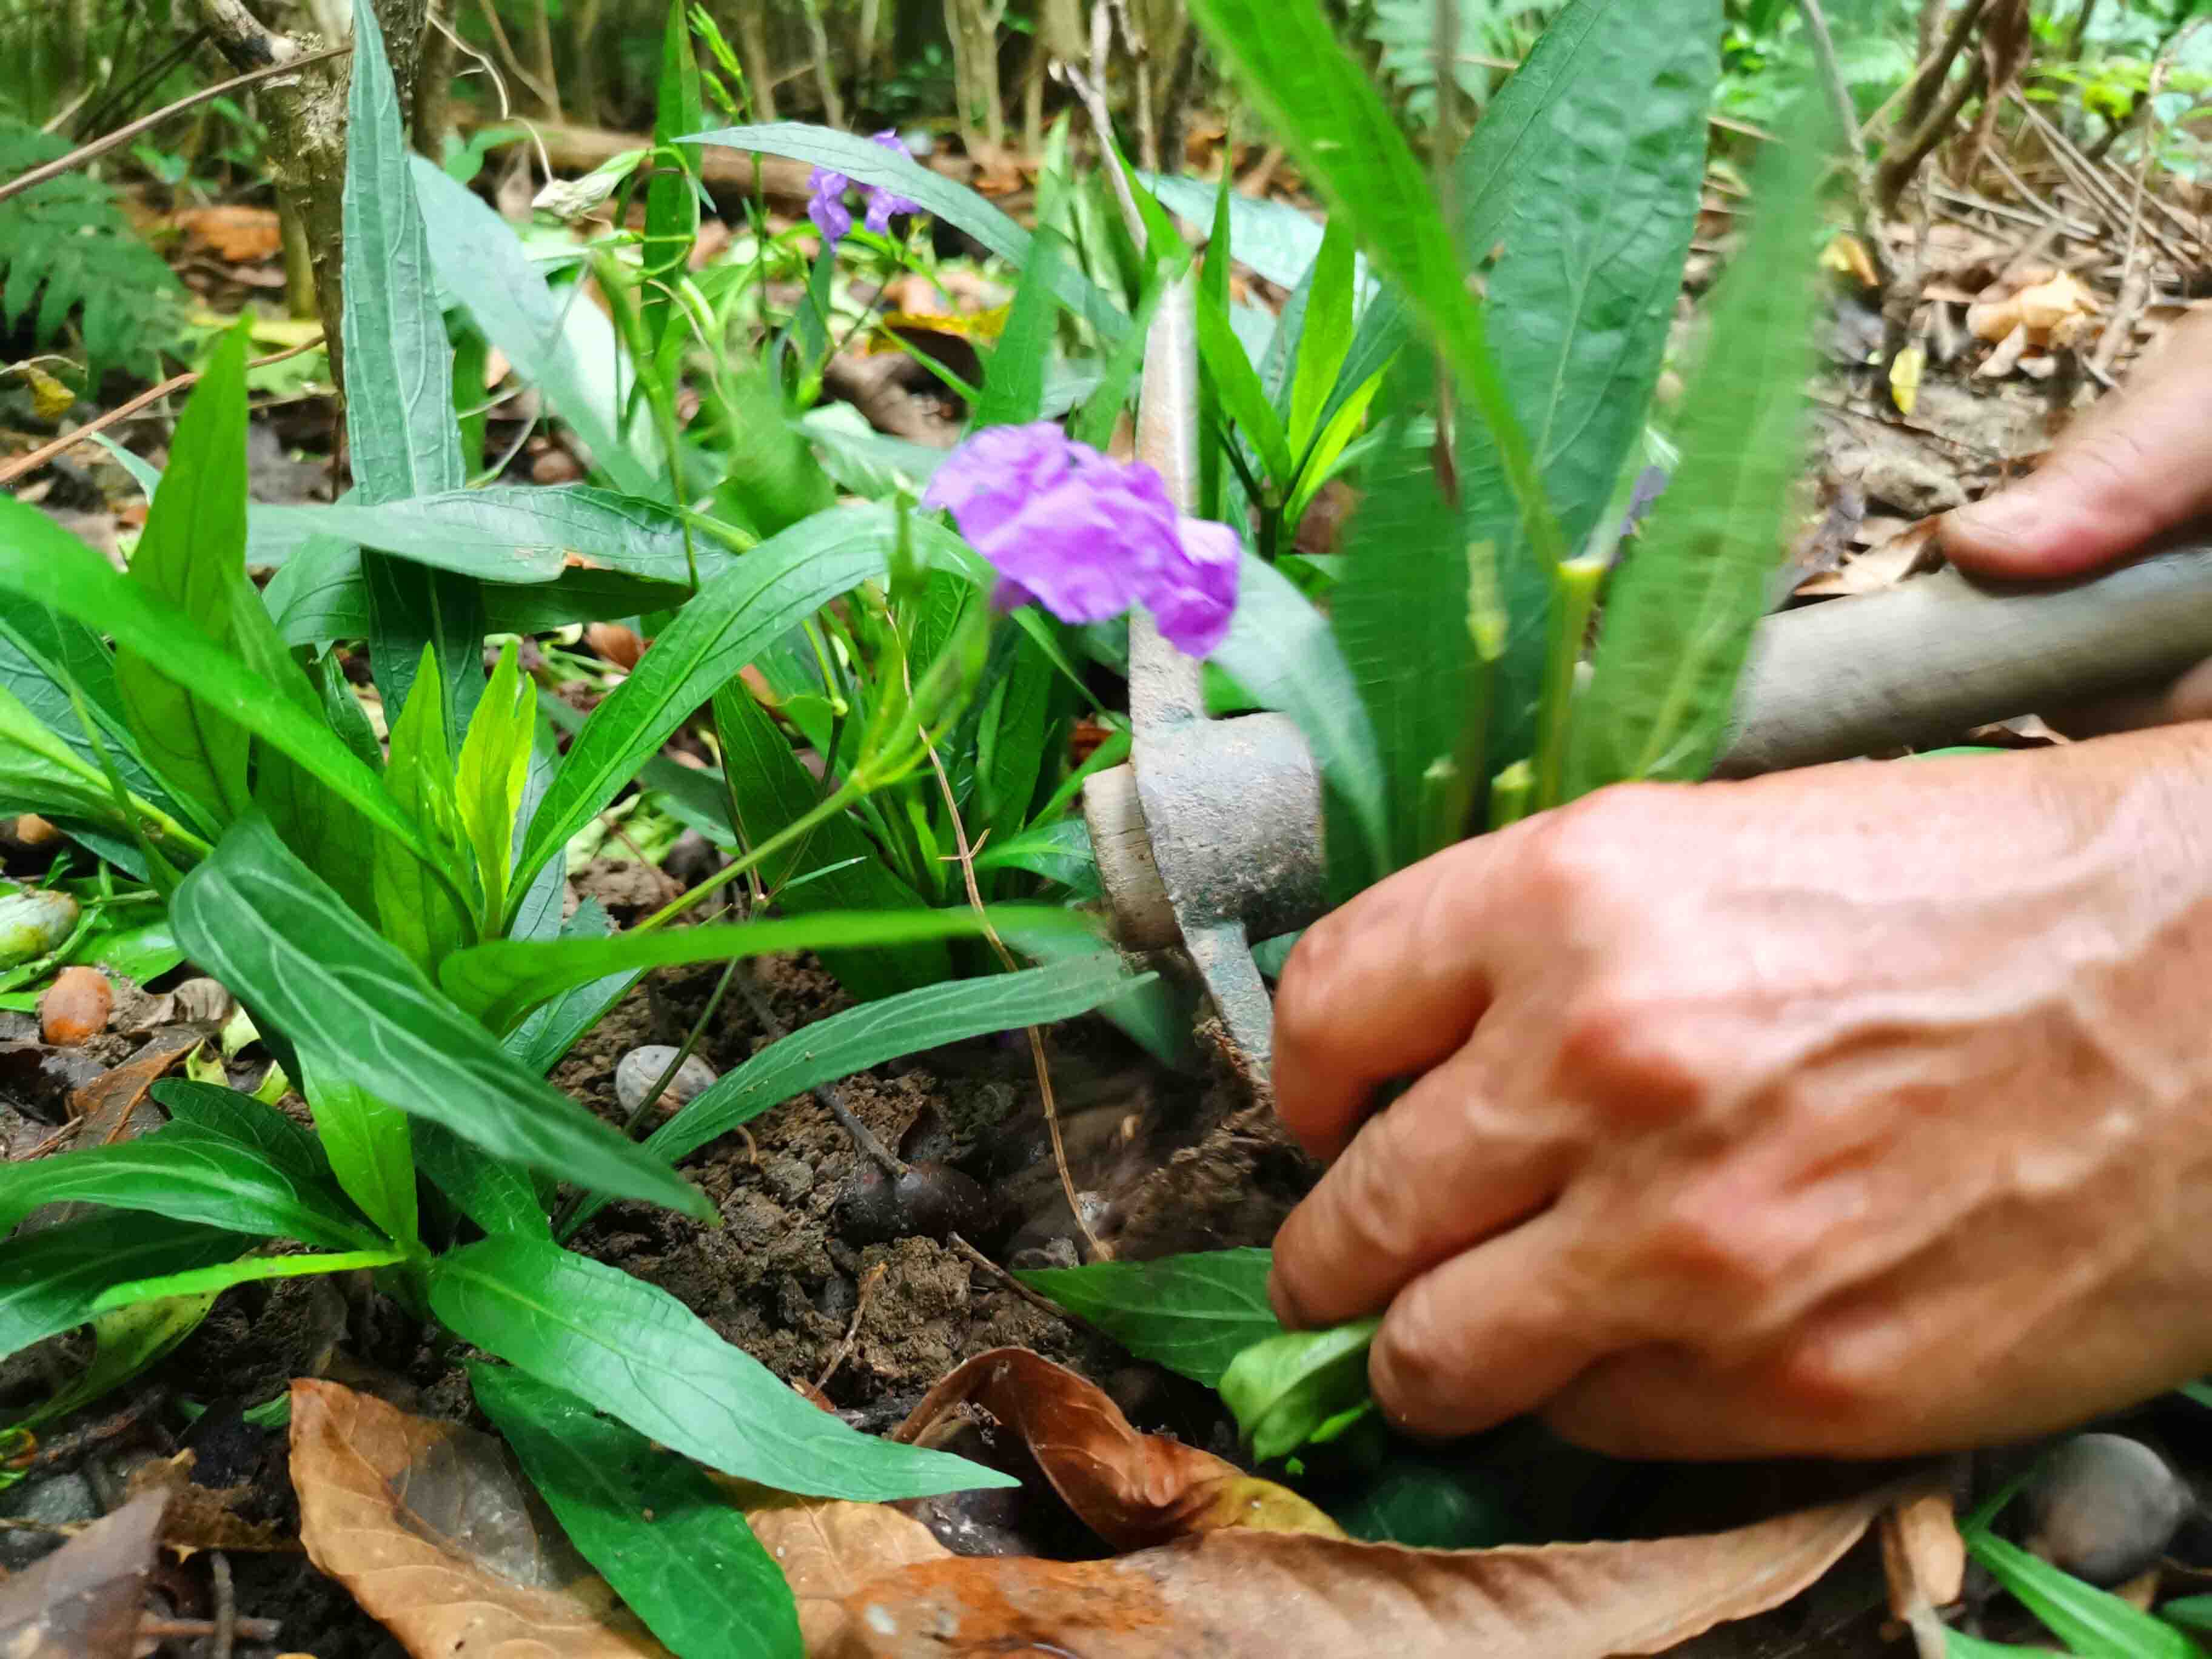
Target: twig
[1896, 171]
[827, 1096]
[490, 11]
[2088, 179]
[225, 1637]
[1928, 79]
[869, 1281]
[977, 1259]
[38, 458]
[1845, 112]
[121, 135]
[184, 1629]
[2135, 285]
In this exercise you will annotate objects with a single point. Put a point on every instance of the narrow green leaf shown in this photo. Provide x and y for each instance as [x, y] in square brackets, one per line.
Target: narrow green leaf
[44, 564]
[495, 762]
[418, 912]
[187, 1175]
[723, 627]
[40, 773]
[402, 436]
[1326, 338]
[1301, 1386]
[1280, 650]
[1014, 384]
[1192, 1314]
[208, 1282]
[126, 1341]
[1957, 1644]
[44, 657]
[553, 1028]
[2192, 1613]
[193, 554]
[674, 1546]
[636, 1353]
[498, 1196]
[482, 264]
[671, 197]
[314, 972]
[773, 789]
[1060, 852]
[1285, 55]
[239, 1117]
[868, 163]
[1235, 381]
[1678, 622]
[49, 1280]
[1275, 239]
[367, 1145]
[503, 979]
[2087, 1620]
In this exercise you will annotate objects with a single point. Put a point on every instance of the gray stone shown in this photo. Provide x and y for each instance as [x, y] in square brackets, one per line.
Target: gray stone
[2105, 1507]
[641, 1068]
[59, 1500]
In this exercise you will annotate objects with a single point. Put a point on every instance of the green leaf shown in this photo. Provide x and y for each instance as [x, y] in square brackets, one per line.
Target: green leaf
[187, 1175]
[482, 264]
[636, 1353]
[552, 1030]
[2087, 1620]
[1235, 381]
[1326, 339]
[215, 1110]
[44, 564]
[1402, 619]
[402, 436]
[2190, 1612]
[1013, 384]
[1957, 1644]
[675, 1548]
[419, 912]
[495, 762]
[503, 979]
[1285, 55]
[208, 1282]
[1060, 852]
[313, 971]
[43, 656]
[1430, 1500]
[671, 196]
[126, 1341]
[50, 1279]
[1678, 623]
[1275, 239]
[724, 627]
[1192, 1314]
[1593, 198]
[192, 555]
[1302, 1385]
[502, 532]
[1280, 650]
[773, 790]
[498, 1196]
[367, 1145]
[40, 773]
[868, 163]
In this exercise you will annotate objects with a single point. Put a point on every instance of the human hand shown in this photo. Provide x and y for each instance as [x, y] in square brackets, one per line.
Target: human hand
[1864, 1111]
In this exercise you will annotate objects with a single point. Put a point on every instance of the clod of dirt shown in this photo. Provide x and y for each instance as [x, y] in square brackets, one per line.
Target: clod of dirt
[929, 1200]
[636, 1071]
[74, 1007]
[2105, 1507]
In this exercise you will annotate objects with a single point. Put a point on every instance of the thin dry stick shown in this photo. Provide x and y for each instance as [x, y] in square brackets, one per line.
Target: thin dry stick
[507, 50]
[225, 1639]
[2087, 179]
[869, 1281]
[967, 856]
[976, 1258]
[253, 1630]
[39, 457]
[124, 134]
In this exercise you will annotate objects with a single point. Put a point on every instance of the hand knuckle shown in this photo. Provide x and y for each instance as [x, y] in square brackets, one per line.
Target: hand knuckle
[1417, 1358]
[1704, 1250]
[1828, 1384]
[1630, 1050]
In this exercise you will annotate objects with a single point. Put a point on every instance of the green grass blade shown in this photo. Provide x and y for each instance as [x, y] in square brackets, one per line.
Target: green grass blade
[675, 1546]
[206, 1281]
[638, 1354]
[1678, 622]
[257, 919]
[671, 196]
[2087, 1620]
[1324, 338]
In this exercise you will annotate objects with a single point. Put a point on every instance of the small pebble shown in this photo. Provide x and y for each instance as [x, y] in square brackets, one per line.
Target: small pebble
[636, 1071]
[74, 1007]
[33, 923]
[203, 1001]
[691, 858]
[2105, 1507]
[930, 1200]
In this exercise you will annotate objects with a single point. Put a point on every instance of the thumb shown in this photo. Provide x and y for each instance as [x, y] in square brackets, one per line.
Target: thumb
[2137, 466]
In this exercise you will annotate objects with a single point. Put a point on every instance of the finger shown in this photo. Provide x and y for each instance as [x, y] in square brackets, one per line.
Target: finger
[2137, 466]
[1492, 1333]
[1667, 1402]
[1441, 1170]
[1384, 987]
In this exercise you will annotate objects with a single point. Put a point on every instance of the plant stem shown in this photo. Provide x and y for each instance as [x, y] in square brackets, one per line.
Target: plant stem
[1512, 791]
[818, 813]
[1574, 591]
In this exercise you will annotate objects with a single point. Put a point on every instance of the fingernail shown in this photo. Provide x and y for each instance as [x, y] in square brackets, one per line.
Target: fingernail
[2015, 515]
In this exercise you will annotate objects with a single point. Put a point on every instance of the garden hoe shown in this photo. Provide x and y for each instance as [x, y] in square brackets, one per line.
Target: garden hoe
[1210, 835]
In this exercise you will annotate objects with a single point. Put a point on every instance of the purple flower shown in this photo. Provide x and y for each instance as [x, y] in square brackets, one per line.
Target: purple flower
[1085, 537]
[826, 206]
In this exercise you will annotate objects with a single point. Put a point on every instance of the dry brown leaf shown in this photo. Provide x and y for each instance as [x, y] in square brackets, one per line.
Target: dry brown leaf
[203, 1517]
[104, 1104]
[1907, 554]
[829, 1550]
[1241, 1595]
[433, 1530]
[242, 235]
[2006, 358]
[83, 1602]
[1133, 1490]
[1923, 1557]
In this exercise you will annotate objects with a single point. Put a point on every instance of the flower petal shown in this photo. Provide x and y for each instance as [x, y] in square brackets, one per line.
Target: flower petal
[1193, 596]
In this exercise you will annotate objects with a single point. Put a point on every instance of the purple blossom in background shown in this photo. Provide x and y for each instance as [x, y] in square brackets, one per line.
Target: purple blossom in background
[826, 205]
[1085, 537]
